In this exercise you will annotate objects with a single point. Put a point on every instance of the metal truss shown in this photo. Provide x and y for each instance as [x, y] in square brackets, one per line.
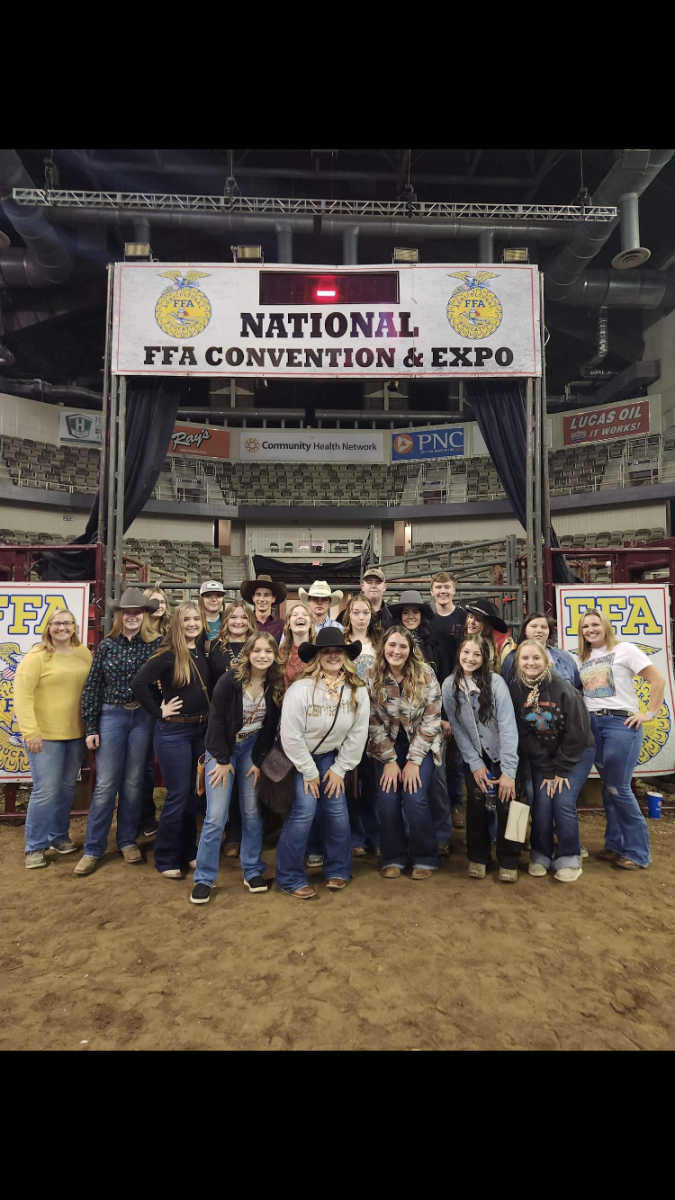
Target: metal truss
[272, 205]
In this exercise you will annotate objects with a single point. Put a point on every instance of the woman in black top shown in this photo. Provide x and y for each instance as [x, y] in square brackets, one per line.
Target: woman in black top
[224, 651]
[555, 734]
[181, 667]
[414, 615]
[242, 726]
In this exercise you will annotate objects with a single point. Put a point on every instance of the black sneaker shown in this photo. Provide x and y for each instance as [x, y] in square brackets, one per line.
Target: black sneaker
[150, 829]
[257, 884]
[201, 894]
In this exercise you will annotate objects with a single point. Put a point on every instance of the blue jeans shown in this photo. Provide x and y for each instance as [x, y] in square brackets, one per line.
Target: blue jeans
[125, 735]
[363, 820]
[559, 811]
[407, 833]
[337, 840]
[178, 749]
[454, 775]
[54, 773]
[217, 808]
[148, 810]
[439, 804]
[617, 749]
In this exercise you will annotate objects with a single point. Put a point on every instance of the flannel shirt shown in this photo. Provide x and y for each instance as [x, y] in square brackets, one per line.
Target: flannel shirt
[421, 722]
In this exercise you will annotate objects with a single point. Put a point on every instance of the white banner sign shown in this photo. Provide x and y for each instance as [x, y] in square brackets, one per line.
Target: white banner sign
[295, 445]
[80, 427]
[445, 321]
[25, 609]
[639, 613]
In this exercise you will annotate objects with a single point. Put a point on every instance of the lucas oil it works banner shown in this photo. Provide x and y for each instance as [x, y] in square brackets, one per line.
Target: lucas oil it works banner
[326, 322]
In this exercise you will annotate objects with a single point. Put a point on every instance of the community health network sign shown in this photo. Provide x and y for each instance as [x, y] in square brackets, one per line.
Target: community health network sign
[326, 322]
[25, 610]
[639, 614]
[428, 443]
[296, 445]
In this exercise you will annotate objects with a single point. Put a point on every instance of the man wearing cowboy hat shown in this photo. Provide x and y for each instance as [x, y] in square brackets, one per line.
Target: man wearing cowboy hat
[261, 592]
[320, 600]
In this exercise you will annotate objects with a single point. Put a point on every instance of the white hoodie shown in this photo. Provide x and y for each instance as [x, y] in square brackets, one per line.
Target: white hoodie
[306, 717]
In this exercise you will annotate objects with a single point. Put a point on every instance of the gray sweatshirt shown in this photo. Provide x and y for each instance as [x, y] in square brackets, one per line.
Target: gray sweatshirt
[306, 717]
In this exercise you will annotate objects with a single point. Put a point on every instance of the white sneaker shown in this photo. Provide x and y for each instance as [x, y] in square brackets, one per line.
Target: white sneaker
[584, 852]
[538, 870]
[568, 874]
[172, 874]
[35, 859]
[477, 870]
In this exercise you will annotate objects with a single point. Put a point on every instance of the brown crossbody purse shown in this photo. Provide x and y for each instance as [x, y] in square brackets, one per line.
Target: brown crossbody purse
[200, 784]
[276, 786]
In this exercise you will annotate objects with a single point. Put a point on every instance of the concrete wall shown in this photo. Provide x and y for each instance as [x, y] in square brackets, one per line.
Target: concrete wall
[660, 343]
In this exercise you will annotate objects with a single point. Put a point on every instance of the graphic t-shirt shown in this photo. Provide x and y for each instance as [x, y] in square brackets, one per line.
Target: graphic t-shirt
[607, 677]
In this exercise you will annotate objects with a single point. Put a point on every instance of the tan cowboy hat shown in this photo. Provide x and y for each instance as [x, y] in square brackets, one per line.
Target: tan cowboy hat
[278, 590]
[320, 590]
[133, 598]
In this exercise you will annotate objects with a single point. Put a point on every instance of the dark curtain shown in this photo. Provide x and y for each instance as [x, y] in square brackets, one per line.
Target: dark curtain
[499, 409]
[152, 406]
[306, 573]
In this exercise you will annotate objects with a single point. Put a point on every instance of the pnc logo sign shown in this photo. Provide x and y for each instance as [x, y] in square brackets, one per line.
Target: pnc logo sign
[403, 443]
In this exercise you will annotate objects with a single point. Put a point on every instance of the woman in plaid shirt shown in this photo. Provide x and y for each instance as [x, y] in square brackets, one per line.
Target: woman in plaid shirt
[405, 741]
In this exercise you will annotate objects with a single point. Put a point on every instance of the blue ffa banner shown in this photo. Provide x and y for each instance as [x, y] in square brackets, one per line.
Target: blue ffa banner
[428, 443]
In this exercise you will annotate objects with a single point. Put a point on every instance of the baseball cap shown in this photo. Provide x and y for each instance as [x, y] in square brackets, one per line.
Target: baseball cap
[376, 572]
[211, 586]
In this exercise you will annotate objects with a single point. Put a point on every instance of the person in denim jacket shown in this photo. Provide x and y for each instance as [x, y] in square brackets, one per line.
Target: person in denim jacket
[537, 628]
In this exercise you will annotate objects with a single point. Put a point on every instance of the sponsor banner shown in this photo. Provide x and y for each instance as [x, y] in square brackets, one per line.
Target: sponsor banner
[296, 445]
[428, 443]
[640, 614]
[201, 441]
[25, 609]
[328, 322]
[607, 424]
[80, 427]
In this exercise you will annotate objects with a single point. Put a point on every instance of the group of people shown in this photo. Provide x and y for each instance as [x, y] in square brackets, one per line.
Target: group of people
[362, 729]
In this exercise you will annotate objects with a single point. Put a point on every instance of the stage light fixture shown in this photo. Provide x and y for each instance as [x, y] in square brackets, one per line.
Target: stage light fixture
[405, 254]
[515, 255]
[247, 253]
[137, 252]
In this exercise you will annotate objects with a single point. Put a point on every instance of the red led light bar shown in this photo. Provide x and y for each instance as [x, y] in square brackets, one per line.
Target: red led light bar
[307, 288]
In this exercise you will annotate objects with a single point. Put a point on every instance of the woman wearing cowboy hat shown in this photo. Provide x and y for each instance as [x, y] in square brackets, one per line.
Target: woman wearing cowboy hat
[119, 729]
[414, 615]
[484, 621]
[324, 726]
[262, 593]
[320, 599]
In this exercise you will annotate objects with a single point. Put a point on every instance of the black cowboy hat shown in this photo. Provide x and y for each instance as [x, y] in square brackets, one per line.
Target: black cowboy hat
[486, 611]
[278, 590]
[328, 638]
[411, 599]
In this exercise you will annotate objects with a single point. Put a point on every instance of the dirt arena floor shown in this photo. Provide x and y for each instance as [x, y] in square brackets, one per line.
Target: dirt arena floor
[122, 961]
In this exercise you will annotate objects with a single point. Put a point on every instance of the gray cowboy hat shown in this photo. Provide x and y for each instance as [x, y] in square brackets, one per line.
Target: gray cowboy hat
[326, 639]
[411, 599]
[133, 598]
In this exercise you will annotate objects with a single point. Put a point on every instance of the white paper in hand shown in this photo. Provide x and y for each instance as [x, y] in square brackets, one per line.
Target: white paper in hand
[516, 826]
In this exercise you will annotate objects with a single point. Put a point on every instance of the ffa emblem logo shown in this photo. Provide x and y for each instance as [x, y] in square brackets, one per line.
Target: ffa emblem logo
[655, 733]
[403, 444]
[78, 426]
[13, 758]
[252, 445]
[473, 309]
[183, 310]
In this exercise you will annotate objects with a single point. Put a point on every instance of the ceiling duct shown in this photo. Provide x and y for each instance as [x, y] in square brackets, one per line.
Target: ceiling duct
[46, 261]
[590, 369]
[632, 254]
[630, 175]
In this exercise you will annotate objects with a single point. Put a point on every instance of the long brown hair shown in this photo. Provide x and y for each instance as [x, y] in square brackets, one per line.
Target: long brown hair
[374, 630]
[148, 634]
[175, 641]
[274, 677]
[286, 644]
[165, 621]
[489, 638]
[414, 671]
[482, 678]
[584, 651]
[47, 643]
[223, 638]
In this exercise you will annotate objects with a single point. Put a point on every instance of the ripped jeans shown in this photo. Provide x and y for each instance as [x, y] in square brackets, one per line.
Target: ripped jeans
[617, 749]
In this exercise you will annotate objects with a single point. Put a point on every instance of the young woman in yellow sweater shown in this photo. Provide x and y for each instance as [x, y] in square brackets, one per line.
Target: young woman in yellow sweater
[47, 699]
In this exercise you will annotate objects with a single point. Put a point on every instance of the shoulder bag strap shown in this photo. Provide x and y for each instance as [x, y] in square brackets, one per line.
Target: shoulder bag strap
[329, 731]
[208, 698]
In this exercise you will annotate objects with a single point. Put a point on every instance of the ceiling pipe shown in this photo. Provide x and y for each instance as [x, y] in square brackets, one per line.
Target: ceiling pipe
[632, 254]
[619, 289]
[486, 247]
[350, 245]
[632, 173]
[38, 389]
[589, 370]
[46, 260]
[284, 232]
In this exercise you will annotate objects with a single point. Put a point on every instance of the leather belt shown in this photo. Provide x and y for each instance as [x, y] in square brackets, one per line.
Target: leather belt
[613, 712]
[132, 705]
[188, 720]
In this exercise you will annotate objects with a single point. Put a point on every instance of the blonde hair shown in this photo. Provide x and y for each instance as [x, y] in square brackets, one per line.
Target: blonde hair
[415, 670]
[543, 653]
[374, 630]
[165, 621]
[286, 644]
[223, 638]
[313, 670]
[175, 641]
[274, 677]
[584, 651]
[47, 643]
[148, 634]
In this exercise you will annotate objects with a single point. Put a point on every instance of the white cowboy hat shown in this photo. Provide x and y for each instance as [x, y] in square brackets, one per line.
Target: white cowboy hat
[321, 591]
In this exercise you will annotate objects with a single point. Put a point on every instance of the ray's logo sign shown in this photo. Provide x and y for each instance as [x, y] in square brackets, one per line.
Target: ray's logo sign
[474, 311]
[183, 309]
